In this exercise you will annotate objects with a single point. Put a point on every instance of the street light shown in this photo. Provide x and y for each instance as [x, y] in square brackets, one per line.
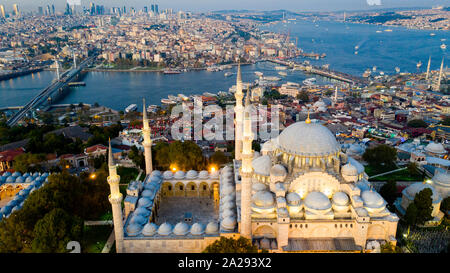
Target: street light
[93, 176]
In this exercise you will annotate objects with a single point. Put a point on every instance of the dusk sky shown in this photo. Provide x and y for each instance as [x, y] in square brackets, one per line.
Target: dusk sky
[209, 5]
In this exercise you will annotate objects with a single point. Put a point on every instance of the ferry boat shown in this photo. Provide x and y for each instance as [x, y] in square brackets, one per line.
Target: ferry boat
[168, 101]
[356, 52]
[381, 73]
[207, 94]
[259, 74]
[310, 81]
[419, 64]
[367, 73]
[443, 46]
[356, 48]
[280, 67]
[228, 74]
[282, 74]
[432, 34]
[388, 30]
[131, 108]
[272, 79]
[379, 31]
[168, 71]
[182, 97]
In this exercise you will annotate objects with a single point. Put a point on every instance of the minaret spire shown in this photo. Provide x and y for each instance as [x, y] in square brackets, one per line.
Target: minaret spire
[428, 69]
[115, 198]
[308, 121]
[440, 75]
[246, 172]
[239, 109]
[147, 142]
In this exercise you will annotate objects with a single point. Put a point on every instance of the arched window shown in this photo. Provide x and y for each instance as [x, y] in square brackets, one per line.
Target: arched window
[181, 188]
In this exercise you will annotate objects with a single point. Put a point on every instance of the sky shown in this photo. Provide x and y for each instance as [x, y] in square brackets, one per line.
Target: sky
[211, 5]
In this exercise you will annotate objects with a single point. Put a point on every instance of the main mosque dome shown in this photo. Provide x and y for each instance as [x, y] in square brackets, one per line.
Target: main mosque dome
[308, 139]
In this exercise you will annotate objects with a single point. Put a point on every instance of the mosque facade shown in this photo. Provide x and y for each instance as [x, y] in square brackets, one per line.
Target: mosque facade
[300, 194]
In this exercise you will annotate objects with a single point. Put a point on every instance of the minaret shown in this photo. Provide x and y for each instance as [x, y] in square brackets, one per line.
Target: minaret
[246, 173]
[57, 68]
[239, 109]
[115, 198]
[440, 76]
[74, 60]
[428, 69]
[335, 94]
[147, 143]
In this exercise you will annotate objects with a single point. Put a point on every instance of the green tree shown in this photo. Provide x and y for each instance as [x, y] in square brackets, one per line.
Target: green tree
[137, 157]
[423, 202]
[28, 162]
[413, 169]
[381, 157]
[256, 146]
[445, 205]
[446, 121]
[411, 214]
[417, 123]
[55, 230]
[303, 96]
[219, 158]
[390, 248]
[230, 245]
[389, 191]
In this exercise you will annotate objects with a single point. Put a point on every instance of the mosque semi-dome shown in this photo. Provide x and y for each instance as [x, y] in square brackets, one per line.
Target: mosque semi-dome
[315, 140]
[372, 199]
[340, 199]
[278, 171]
[259, 187]
[263, 199]
[197, 229]
[417, 187]
[133, 229]
[261, 165]
[349, 170]
[293, 198]
[317, 201]
[441, 182]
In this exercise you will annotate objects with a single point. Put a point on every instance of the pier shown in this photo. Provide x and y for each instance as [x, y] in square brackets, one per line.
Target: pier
[15, 74]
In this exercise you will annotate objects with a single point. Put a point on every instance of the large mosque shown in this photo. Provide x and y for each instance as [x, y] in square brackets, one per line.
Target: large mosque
[300, 194]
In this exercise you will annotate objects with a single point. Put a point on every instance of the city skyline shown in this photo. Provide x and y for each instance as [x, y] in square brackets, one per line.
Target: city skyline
[205, 5]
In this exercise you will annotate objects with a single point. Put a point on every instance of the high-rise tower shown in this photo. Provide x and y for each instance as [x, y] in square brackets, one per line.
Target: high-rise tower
[239, 110]
[246, 172]
[115, 198]
[147, 143]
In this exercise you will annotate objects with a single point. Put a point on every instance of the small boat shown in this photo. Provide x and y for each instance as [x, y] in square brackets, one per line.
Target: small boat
[356, 48]
[443, 46]
[259, 74]
[310, 81]
[280, 67]
[172, 97]
[168, 101]
[374, 68]
[171, 72]
[182, 97]
[397, 69]
[388, 30]
[367, 73]
[381, 73]
[282, 74]
[419, 64]
[432, 34]
[131, 108]
[356, 52]
[228, 74]
[272, 79]
[379, 31]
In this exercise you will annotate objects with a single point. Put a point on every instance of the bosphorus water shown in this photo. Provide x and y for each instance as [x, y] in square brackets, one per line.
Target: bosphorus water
[401, 48]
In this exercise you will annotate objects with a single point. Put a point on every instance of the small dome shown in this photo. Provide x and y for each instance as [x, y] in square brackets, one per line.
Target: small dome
[357, 164]
[228, 205]
[6, 210]
[144, 202]
[134, 229]
[261, 165]
[228, 213]
[10, 179]
[441, 182]
[191, 174]
[228, 223]
[29, 179]
[256, 154]
[156, 173]
[356, 149]
[259, 187]
[417, 187]
[214, 174]
[179, 175]
[212, 228]
[138, 219]
[150, 186]
[340, 198]
[227, 189]
[226, 198]
[149, 229]
[15, 174]
[155, 179]
[181, 229]
[267, 146]
[197, 229]
[372, 199]
[263, 199]
[5, 174]
[278, 170]
[165, 229]
[203, 175]
[168, 175]
[293, 199]
[142, 211]
[25, 175]
[349, 170]
[435, 148]
[20, 179]
[147, 193]
[317, 201]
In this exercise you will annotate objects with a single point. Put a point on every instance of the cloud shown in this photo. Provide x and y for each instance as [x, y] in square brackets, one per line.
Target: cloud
[74, 2]
[374, 2]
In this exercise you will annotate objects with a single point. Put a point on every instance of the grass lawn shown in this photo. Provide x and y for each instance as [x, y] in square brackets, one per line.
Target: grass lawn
[94, 238]
[403, 175]
[107, 216]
